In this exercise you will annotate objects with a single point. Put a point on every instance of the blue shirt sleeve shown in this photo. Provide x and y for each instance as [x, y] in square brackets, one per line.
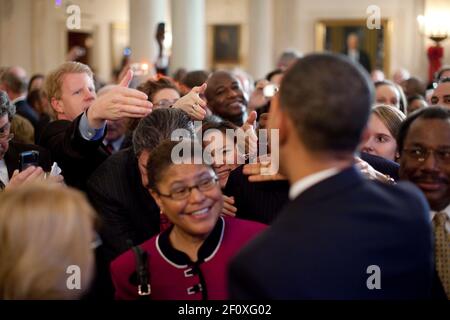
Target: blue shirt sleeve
[87, 132]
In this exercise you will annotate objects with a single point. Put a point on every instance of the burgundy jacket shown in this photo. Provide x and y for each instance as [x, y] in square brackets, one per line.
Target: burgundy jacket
[173, 276]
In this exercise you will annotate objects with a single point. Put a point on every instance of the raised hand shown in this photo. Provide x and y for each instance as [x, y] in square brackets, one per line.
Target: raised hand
[261, 171]
[31, 174]
[228, 207]
[120, 102]
[192, 104]
[250, 148]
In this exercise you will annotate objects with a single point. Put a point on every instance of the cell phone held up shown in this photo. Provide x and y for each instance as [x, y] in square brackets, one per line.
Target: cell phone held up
[28, 159]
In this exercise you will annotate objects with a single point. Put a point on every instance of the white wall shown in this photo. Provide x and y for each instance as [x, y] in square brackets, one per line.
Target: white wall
[294, 22]
[228, 12]
[15, 35]
[33, 33]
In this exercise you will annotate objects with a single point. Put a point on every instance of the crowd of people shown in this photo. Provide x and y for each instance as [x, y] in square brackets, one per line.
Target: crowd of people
[363, 184]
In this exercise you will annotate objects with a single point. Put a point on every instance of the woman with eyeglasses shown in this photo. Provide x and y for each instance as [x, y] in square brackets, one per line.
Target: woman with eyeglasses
[189, 260]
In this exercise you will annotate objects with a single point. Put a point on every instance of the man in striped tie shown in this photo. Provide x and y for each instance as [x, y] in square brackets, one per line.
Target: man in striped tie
[424, 146]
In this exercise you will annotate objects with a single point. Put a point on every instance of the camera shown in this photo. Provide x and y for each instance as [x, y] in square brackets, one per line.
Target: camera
[28, 159]
[270, 90]
[140, 69]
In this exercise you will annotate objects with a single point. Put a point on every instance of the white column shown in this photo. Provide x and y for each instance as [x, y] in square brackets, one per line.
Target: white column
[188, 35]
[260, 57]
[144, 18]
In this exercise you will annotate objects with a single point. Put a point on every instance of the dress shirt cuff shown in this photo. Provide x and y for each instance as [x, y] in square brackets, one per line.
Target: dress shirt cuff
[87, 132]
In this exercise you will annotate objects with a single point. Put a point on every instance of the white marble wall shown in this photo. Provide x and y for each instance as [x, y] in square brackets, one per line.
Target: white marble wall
[33, 32]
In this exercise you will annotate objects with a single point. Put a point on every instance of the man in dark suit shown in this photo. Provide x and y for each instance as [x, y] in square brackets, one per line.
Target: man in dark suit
[262, 201]
[10, 150]
[117, 188]
[15, 83]
[424, 146]
[338, 237]
[355, 53]
[75, 139]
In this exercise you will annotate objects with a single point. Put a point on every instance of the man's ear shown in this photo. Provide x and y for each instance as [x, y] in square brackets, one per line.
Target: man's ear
[278, 119]
[57, 105]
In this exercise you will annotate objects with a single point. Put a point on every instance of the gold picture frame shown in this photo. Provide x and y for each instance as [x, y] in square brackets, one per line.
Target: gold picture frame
[330, 35]
[226, 45]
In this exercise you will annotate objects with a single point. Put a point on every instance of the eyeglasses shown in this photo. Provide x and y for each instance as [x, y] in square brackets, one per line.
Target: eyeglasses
[5, 130]
[182, 193]
[421, 154]
[164, 103]
[6, 137]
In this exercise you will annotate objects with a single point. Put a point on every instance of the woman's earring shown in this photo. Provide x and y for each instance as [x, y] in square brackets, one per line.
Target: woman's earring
[164, 222]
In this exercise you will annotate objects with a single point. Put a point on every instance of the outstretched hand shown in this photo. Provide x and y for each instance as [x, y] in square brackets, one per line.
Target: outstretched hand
[120, 102]
[228, 207]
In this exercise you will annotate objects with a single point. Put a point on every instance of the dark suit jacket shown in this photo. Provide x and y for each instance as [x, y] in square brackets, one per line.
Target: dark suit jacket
[382, 165]
[262, 201]
[12, 156]
[77, 157]
[257, 201]
[322, 243]
[126, 208]
[26, 111]
[364, 60]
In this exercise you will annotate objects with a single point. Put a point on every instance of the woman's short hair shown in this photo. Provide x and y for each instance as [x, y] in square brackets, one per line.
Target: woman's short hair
[162, 158]
[391, 117]
[151, 87]
[45, 230]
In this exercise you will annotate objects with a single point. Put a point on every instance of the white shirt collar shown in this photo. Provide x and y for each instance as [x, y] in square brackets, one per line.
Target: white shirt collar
[307, 182]
[21, 98]
[116, 143]
[4, 172]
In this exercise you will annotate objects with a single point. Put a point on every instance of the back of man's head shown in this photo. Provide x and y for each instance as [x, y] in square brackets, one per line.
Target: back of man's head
[328, 99]
[6, 107]
[14, 82]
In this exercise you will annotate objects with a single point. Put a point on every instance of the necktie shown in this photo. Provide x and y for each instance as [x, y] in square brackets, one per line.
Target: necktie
[2, 185]
[442, 250]
[110, 148]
